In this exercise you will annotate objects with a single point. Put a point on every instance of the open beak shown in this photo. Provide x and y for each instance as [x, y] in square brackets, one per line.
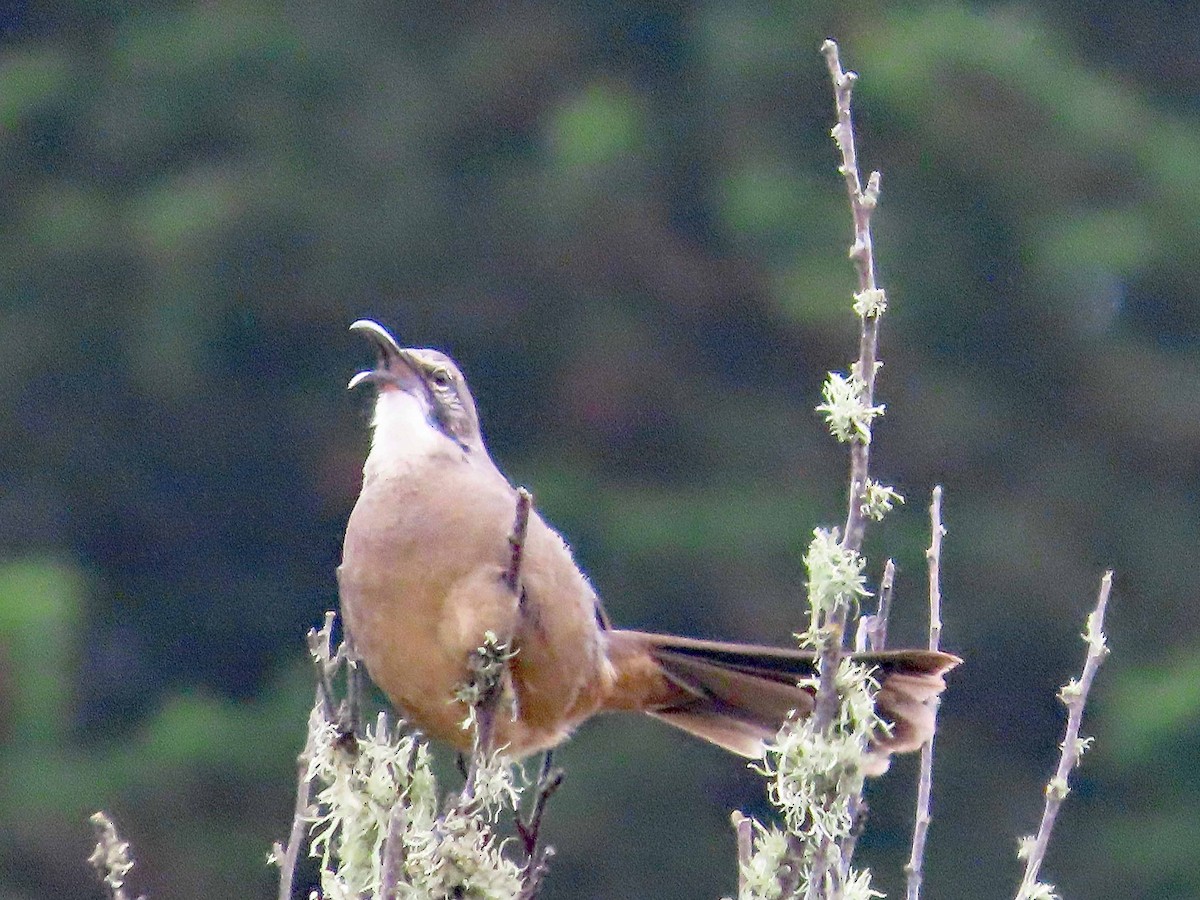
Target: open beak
[393, 366]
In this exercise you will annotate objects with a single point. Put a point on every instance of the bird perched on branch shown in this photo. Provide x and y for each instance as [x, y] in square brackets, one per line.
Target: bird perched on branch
[427, 577]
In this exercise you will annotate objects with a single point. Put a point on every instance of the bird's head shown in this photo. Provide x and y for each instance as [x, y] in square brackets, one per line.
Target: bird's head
[418, 391]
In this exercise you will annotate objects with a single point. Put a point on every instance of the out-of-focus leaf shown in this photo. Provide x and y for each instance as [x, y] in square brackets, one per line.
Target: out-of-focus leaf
[597, 125]
[30, 79]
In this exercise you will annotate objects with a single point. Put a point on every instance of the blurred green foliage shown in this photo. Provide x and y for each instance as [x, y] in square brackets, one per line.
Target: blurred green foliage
[623, 220]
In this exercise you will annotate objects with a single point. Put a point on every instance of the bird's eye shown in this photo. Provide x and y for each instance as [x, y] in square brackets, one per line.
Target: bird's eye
[440, 378]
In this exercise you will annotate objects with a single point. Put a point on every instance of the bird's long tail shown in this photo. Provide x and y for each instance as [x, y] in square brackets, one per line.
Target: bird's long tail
[738, 695]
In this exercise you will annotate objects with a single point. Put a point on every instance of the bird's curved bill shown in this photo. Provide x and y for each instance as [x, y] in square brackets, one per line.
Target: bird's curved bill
[392, 366]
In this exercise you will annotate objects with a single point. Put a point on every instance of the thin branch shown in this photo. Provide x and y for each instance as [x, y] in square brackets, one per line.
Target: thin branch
[489, 681]
[1074, 696]
[537, 862]
[393, 851]
[915, 870]
[862, 204]
[327, 661]
[485, 718]
[859, 812]
[288, 856]
[320, 646]
[934, 556]
[549, 781]
[872, 629]
[516, 540]
[351, 721]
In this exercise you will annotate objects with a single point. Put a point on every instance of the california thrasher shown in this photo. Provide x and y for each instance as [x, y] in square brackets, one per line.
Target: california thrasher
[423, 579]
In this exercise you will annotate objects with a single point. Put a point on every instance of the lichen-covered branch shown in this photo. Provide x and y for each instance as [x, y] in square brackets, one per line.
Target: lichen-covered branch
[869, 301]
[822, 757]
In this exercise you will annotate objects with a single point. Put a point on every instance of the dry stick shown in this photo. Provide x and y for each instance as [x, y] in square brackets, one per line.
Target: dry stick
[878, 633]
[914, 870]
[351, 721]
[320, 645]
[872, 630]
[1074, 696]
[549, 778]
[872, 636]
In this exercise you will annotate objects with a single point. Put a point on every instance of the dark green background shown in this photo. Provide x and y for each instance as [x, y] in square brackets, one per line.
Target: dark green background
[624, 221]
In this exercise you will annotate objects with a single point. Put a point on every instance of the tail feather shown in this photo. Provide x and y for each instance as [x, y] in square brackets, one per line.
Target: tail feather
[725, 731]
[738, 695]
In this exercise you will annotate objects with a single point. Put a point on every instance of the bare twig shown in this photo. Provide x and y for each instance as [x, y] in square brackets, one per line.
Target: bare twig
[328, 661]
[392, 869]
[1074, 697]
[859, 812]
[914, 870]
[550, 779]
[352, 712]
[538, 862]
[934, 557]
[872, 629]
[516, 540]
[489, 679]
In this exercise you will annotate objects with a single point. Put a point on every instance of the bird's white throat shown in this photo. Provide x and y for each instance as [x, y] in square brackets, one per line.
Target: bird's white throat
[401, 434]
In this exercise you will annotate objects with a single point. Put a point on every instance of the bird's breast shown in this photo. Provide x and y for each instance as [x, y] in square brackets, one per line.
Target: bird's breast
[421, 583]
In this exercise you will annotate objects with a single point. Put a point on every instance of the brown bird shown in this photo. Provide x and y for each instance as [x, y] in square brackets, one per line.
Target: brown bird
[423, 579]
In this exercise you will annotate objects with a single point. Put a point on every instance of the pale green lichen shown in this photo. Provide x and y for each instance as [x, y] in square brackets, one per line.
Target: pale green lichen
[761, 872]
[1039, 891]
[815, 773]
[878, 499]
[486, 683]
[111, 859]
[455, 854]
[870, 304]
[835, 579]
[1093, 635]
[845, 408]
